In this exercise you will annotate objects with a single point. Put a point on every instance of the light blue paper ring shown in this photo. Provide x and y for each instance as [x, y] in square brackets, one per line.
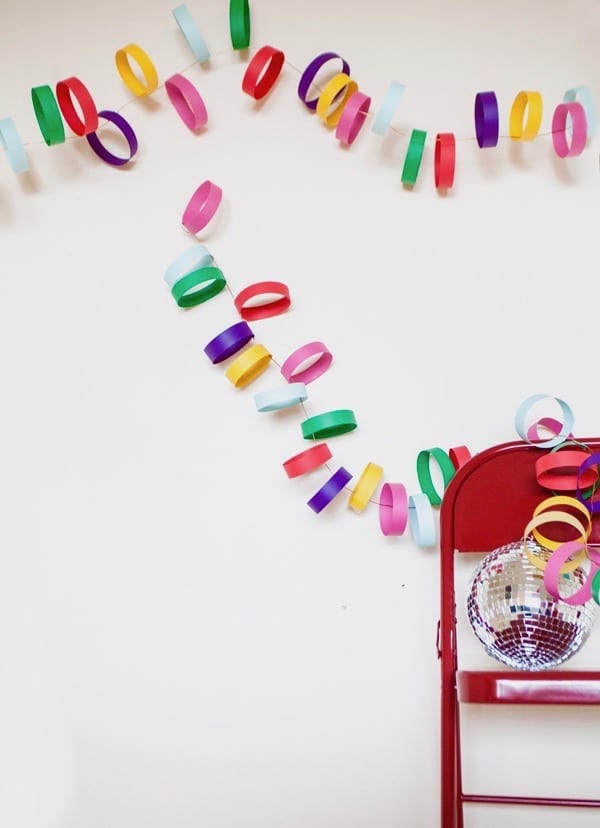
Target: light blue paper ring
[583, 95]
[421, 520]
[568, 420]
[191, 32]
[283, 396]
[386, 111]
[193, 258]
[13, 146]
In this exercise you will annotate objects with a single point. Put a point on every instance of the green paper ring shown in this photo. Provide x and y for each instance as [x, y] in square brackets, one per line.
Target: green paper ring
[209, 281]
[424, 472]
[48, 115]
[239, 23]
[414, 156]
[330, 424]
[596, 587]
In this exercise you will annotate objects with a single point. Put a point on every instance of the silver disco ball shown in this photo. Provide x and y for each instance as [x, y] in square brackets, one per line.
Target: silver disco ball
[515, 618]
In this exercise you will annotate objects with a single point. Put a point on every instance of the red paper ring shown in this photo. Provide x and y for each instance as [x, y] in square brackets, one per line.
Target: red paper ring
[445, 160]
[459, 456]
[265, 309]
[307, 460]
[68, 89]
[559, 470]
[262, 72]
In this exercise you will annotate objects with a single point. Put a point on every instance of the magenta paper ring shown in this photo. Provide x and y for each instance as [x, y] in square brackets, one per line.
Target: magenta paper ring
[393, 509]
[288, 369]
[564, 112]
[353, 117]
[202, 206]
[187, 101]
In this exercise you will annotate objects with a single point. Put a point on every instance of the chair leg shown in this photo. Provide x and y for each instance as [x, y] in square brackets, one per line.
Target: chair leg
[458, 760]
[449, 805]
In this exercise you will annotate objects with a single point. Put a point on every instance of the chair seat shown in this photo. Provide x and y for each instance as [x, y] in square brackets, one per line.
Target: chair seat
[549, 687]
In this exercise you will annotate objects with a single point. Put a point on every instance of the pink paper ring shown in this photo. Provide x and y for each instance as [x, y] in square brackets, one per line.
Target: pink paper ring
[353, 118]
[564, 112]
[549, 423]
[293, 362]
[393, 509]
[552, 574]
[187, 101]
[202, 206]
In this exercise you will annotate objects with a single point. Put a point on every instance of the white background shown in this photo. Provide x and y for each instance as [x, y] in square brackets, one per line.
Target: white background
[183, 642]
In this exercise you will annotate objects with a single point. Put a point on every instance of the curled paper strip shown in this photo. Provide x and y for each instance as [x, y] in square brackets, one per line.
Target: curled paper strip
[590, 466]
[239, 23]
[336, 94]
[191, 32]
[353, 117]
[71, 88]
[329, 424]
[414, 156]
[125, 128]
[553, 572]
[13, 146]
[421, 520]
[571, 117]
[596, 587]
[329, 490]
[186, 101]
[459, 456]
[198, 286]
[583, 94]
[541, 517]
[364, 489]
[307, 461]
[393, 509]
[228, 342]
[128, 76]
[290, 368]
[310, 73]
[284, 396]
[262, 72]
[384, 116]
[202, 206]
[446, 467]
[445, 160]
[561, 470]
[519, 128]
[565, 429]
[248, 366]
[271, 307]
[48, 115]
[487, 119]
[550, 424]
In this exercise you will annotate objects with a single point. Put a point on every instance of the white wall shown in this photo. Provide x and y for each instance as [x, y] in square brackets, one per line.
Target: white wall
[183, 642]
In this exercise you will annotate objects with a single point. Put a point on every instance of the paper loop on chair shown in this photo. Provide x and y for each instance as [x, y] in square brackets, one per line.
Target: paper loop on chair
[554, 571]
[386, 111]
[191, 32]
[565, 430]
[187, 101]
[421, 520]
[310, 73]
[284, 396]
[128, 76]
[365, 487]
[393, 509]
[329, 490]
[291, 368]
[68, 89]
[520, 127]
[13, 146]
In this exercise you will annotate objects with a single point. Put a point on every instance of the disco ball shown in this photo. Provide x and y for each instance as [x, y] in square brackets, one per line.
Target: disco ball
[516, 619]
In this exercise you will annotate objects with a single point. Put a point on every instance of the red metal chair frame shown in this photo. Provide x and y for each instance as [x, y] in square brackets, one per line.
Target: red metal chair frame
[486, 505]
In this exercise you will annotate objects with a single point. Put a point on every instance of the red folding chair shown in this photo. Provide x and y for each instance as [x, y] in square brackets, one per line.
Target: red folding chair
[486, 505]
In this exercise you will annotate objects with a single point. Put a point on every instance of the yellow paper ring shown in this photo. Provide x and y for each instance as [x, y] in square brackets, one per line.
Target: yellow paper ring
[518, 128]
[338, 84]
[565, 500]
[248, 366]
[367, 483]
[554, 517]
[130, 79]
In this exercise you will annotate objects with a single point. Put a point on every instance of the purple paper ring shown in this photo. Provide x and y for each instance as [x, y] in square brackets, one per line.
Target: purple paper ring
[128, 133]
[330, 489]
[592, 506]
[228, 342]
[310, 74]
[487, 119]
